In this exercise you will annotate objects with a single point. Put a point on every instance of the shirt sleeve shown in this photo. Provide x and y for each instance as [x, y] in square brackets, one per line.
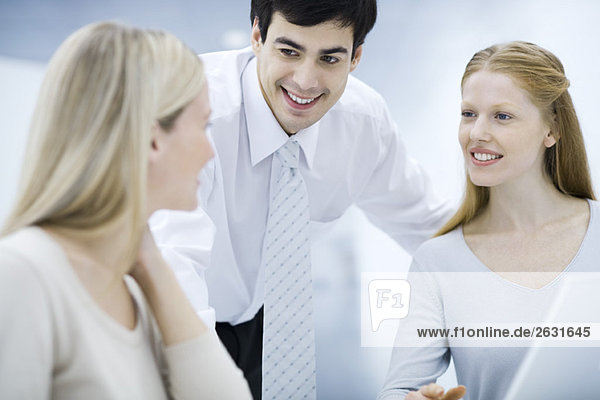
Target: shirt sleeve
[26, 358]
[185, 240]
[202, 368]
[399, 198]
[417, 360]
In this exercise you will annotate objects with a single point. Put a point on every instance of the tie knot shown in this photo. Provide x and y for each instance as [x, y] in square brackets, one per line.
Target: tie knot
[289, 154]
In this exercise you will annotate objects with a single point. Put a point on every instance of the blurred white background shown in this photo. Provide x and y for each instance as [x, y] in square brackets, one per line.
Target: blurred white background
[414, 57]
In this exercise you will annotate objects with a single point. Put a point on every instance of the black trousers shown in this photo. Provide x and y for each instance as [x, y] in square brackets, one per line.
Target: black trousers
[244, 344]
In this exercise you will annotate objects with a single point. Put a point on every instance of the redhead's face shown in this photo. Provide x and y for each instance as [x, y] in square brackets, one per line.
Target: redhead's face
[303, 70]
[178, 156]
[502, 133]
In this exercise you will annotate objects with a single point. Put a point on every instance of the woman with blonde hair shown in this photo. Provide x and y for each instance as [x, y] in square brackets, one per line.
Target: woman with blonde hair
[527, 220]
[88, 307]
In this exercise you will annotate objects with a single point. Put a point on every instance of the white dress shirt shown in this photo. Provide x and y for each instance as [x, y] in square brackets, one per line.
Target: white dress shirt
[353, 155]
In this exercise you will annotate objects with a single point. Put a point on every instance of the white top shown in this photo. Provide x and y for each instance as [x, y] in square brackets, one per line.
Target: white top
[451, 287]
[353, 155]
[56, 342]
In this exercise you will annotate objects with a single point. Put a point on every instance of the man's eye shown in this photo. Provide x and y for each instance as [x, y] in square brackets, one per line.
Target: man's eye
[330, 59]
[288, 52]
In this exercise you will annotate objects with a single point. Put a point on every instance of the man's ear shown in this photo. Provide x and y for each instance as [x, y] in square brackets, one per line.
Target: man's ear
[356, 59]
[255, 38]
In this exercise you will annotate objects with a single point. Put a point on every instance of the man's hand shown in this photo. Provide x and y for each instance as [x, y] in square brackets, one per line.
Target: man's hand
[433, 391]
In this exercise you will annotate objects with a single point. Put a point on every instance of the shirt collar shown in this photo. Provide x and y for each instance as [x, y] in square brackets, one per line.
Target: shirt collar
[264, 132]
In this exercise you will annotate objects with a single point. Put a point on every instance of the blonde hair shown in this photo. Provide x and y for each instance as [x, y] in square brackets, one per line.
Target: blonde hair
[86, 161]
[542, 75]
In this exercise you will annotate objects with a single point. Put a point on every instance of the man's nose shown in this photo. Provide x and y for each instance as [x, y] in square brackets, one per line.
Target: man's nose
[306, 77]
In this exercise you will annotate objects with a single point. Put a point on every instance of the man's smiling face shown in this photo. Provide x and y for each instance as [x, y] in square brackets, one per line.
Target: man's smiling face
[303, 70]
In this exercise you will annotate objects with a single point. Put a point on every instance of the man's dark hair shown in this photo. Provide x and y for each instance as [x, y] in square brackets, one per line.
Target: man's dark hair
[358, 14]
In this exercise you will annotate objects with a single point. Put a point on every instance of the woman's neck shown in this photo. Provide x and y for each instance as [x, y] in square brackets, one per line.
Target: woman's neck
[102, 257]
[100, 260]
[524, 207]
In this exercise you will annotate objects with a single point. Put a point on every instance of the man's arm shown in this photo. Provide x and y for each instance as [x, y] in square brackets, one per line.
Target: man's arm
[399, 198]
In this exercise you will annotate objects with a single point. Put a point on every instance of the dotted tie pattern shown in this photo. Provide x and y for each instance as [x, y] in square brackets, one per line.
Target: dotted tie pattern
[288, 369]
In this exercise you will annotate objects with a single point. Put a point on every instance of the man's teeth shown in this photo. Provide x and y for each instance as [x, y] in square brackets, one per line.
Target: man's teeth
[299, 100]
[485, 156]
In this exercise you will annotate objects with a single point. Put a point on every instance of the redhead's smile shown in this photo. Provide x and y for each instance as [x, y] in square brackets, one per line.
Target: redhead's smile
[481, 157]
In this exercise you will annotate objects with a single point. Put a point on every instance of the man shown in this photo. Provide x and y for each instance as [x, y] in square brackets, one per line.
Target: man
[297, 141]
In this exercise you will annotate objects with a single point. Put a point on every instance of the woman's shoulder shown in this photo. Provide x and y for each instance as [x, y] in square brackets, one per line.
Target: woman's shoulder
[30, 256]
[16, 246]
[441, 243]
[441, 250]
[30, 245]
[21, 275]
[594, 207]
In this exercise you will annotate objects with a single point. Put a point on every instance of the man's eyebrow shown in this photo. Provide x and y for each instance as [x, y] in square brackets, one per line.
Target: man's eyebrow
[334, 50]
[291, 43]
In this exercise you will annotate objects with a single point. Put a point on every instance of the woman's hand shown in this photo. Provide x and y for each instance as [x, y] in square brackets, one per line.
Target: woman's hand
[149, 260]
[433, 391]
[176, 318]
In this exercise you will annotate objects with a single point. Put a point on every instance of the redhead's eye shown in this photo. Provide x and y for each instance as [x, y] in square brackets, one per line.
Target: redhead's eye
[503, 116]
[467, 114]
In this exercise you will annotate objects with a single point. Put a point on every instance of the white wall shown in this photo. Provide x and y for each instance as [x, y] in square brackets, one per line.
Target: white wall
[19, 83]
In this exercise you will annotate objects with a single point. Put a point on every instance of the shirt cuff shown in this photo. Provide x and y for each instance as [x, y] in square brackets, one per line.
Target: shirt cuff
[208, 316]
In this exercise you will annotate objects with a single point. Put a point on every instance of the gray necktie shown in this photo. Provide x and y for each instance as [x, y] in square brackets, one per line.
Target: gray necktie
[288, 368]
